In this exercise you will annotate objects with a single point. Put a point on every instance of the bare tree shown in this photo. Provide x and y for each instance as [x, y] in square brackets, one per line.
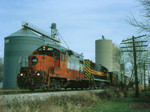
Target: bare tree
[144, 24]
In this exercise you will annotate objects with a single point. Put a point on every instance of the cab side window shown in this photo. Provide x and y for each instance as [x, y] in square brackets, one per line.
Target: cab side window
[50, 54]
[63, 57]
[57, 54]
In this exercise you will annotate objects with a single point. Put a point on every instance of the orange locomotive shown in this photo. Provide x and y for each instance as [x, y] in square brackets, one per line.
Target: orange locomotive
[53, 66]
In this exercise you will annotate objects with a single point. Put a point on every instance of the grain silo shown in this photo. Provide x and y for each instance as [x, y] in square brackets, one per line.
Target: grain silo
[21, 43]
[104, 53]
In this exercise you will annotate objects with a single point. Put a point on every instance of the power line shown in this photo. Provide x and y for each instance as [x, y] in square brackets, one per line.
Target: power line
[134, 38]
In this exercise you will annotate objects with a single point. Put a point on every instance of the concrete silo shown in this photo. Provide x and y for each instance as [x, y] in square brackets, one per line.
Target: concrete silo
[116, 59]
[104, 53]
[21, 43]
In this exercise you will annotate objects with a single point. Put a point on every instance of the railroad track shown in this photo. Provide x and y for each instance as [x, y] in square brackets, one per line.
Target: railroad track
[20, 91]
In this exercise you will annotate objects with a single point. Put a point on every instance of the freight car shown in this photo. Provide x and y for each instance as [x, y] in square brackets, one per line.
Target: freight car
[53, 66]
[116, 79]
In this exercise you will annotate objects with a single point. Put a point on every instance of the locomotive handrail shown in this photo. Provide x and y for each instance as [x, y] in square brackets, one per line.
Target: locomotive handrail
[23, 62]
[20, 63]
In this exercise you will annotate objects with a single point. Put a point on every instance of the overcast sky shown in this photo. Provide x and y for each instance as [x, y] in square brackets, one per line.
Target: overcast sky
[80, 22]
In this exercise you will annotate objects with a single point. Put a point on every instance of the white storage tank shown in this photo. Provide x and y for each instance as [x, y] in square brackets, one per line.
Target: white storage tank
[104, 53]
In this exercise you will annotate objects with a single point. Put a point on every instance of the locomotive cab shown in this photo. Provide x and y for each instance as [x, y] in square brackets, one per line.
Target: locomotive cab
[41, 65]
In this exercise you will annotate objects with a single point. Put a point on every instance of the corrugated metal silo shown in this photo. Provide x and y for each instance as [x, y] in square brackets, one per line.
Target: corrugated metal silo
[104, 53]
[21, 43]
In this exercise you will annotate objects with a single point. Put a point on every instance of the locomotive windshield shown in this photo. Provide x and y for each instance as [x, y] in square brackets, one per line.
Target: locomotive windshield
[46, 50]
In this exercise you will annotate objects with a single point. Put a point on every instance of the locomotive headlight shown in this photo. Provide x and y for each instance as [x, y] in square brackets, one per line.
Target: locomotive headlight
[44, 48]
[21, 74]
[38, 74]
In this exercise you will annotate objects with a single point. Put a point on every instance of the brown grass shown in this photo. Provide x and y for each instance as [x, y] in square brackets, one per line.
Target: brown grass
[73, 103]
[112, 93]
[64, 103]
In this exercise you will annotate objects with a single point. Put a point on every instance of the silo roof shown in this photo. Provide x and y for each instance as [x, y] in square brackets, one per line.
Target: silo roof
[24, 32]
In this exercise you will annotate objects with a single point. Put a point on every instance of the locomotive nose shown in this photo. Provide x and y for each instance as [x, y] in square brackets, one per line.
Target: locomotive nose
[34, 60]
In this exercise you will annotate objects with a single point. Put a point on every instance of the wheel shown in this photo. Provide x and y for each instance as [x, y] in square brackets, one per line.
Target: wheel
[44, 87]
[32, 89]
[57, 87]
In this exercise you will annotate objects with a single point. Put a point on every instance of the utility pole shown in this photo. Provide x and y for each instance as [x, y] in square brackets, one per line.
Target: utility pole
[134, 49]
[145, 68]
[144, 77]
[148, 78]
[135, 68]
[141, 74]
[145, 65]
